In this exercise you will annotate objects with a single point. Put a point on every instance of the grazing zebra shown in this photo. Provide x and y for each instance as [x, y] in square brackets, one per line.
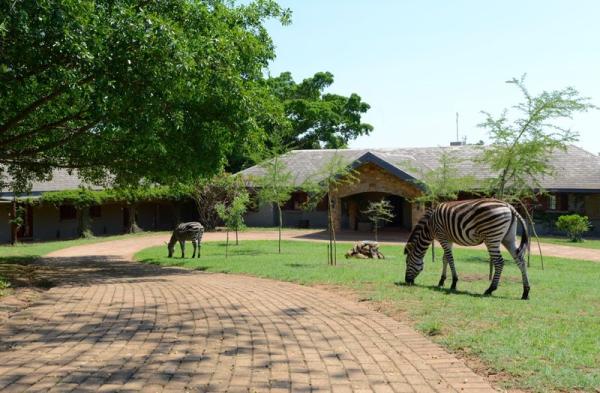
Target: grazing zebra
[187, 231]
[468, 223]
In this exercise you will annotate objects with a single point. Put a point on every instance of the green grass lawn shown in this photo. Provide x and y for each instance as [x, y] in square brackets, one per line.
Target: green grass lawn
[586, 243]
[15, 260]
[551, 342]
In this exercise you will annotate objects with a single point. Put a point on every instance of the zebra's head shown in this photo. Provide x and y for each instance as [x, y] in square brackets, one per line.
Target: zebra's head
[171, 246]
[416, 246]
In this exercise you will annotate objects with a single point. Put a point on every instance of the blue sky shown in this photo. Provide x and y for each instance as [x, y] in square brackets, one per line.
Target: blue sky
[417, 63]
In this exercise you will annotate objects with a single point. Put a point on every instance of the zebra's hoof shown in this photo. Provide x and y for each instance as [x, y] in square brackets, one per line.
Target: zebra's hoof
[441, 284]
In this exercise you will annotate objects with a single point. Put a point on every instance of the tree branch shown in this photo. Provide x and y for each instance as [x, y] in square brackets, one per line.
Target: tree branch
[44, 128]
[51, 145]
[11, 123]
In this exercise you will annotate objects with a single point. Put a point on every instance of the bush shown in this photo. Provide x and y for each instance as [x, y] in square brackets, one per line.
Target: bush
[574, 225]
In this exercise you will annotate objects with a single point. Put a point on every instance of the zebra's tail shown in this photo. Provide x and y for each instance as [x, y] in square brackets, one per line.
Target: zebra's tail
[523, 247]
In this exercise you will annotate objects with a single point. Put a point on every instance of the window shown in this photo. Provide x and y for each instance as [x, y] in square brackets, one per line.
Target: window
[551, 202]
[296, 201]
[67, 212]
[95, 211]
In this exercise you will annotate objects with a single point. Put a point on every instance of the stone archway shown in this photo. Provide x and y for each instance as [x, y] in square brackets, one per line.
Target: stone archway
[374, 179]
[354, 218]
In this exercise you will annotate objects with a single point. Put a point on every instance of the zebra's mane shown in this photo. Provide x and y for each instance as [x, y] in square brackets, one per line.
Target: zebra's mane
[417, 232]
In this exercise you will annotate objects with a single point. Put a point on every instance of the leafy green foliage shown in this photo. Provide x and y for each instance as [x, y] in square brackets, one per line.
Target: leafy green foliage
[155, 90]
[275, 186]
[233, 214]
[574, 225]
[326, 182]
[85, 197]
[210, 191]
[379, 212]
[318, 119]
[521, 148]
[444, 182]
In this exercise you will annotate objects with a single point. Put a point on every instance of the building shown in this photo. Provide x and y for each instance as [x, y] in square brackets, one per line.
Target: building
[390, 173]
[49, 222]
[394, 174]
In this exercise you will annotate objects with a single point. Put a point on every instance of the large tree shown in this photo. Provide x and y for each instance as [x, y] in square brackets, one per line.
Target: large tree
[318, 119]
[155, 90]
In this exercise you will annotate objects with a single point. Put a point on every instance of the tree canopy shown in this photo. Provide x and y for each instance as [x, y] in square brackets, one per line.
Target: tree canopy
[521, 148]
[154, 90]
[318, 119]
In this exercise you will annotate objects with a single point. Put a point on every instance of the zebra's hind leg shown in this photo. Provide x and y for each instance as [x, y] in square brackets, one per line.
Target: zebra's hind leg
[182, 244]
[195, 246]
[498, 262]
[510, 246]
[444, 270]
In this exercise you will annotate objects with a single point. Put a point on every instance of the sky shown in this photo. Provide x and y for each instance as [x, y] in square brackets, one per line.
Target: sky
[418, 63]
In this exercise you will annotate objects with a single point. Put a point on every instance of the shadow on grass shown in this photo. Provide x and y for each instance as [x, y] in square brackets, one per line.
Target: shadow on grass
[297, 265]
[449, 291]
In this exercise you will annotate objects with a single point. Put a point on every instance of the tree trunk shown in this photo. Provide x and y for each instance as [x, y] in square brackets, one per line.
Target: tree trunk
[280, 225]
[227, 243]
[84, 225]
[132, 226]
[376, 229]
[331, 231]
[236, 237]
[14, 230]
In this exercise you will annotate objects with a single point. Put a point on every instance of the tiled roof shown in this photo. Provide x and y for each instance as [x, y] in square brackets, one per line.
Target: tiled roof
[61, 180]
[576, 169]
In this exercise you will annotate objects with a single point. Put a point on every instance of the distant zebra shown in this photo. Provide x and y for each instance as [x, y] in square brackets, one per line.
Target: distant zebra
[468, 223]
[186, 231]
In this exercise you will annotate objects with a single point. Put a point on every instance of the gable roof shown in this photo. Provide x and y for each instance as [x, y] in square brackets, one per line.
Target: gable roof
[576, 169]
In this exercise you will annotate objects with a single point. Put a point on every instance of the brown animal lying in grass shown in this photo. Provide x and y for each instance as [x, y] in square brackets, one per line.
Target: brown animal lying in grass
[365, 250]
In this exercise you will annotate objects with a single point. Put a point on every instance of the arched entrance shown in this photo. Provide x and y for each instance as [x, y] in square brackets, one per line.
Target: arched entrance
[354, 206]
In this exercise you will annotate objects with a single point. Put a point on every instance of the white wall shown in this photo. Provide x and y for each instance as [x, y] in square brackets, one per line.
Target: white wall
[264, 217]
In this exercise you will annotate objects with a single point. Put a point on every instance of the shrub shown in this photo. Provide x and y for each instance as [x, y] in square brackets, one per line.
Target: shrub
[574, 225]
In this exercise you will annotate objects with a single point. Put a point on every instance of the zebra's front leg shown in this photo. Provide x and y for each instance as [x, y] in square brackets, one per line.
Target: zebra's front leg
[449, 259]
[182, 244]
[498, 262]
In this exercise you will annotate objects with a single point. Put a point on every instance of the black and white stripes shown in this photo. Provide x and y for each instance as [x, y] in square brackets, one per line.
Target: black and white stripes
[468, 223]
[186, 231]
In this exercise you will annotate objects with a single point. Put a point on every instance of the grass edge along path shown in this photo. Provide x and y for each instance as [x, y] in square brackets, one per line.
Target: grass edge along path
[549, 343]
[15, 261]
[593, 244]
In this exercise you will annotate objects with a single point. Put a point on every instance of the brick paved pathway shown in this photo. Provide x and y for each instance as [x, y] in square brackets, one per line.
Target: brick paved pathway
[114, 325]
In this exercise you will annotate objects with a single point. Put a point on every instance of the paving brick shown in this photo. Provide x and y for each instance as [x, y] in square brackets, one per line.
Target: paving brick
[112, 324]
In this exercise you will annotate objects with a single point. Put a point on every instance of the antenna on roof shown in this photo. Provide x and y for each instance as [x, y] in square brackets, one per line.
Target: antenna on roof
[457, 127]
[458, 142]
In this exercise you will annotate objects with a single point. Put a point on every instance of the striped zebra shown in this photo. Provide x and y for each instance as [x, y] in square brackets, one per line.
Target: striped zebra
[186, 231]
[468, 223]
